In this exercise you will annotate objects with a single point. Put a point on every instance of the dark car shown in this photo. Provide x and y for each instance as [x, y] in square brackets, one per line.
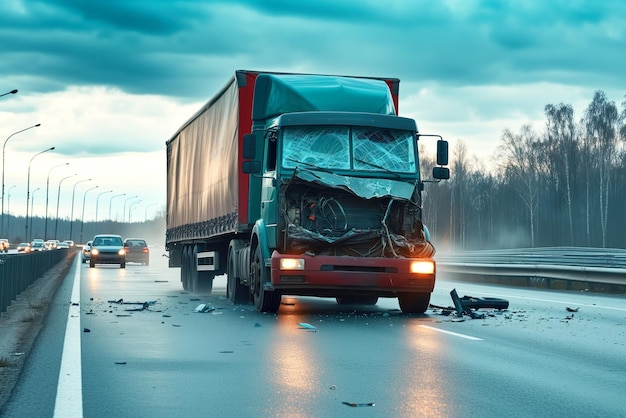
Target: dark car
[107, 249]
[137, 251]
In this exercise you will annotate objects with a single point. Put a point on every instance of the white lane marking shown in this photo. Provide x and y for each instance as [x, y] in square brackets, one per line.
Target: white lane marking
[69, 401]
[456, 334]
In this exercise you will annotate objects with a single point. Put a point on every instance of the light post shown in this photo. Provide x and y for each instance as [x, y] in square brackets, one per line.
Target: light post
[32, 204]
[26, 237]
[97, 199]
[9, 92]
[72, 213]
[124, 211]
[82, 217]
[111, 201]
[45, 230]
[145, 216]
[3, 146]
[56, 222]
[130, 207]
[9, 205]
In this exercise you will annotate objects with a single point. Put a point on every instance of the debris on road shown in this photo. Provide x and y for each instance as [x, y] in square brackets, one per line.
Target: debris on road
[354, 405]
[467, 304]
[121, 302]
[571, 309]
[203, 308]
[304, 325]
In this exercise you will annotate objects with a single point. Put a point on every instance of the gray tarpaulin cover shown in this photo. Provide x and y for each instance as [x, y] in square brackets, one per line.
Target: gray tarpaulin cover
[202, 165]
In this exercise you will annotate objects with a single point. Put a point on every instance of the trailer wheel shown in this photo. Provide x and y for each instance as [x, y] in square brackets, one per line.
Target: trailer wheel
[237, 292]
[414, 302]
[184, 267]
[264, 300]
[193, 269]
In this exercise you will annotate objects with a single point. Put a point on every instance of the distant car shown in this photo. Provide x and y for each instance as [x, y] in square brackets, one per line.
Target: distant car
[23, 247]
[62, 245]
[51, 244]
[107, 249]
[37, 246]
[137, 251]
[84, 254]
[4, 245]
[69, 243]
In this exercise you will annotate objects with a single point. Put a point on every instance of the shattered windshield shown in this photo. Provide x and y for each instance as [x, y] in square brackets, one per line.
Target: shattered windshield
[383, 150]
[340, 147]
[323, 147]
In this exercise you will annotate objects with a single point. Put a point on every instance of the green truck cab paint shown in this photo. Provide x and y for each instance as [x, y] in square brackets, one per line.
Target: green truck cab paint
[301, 184]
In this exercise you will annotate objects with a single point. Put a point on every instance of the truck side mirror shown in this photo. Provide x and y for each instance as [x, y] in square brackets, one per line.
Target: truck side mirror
[442, 153]
[251, 167]
[249, 145]
[441, 173]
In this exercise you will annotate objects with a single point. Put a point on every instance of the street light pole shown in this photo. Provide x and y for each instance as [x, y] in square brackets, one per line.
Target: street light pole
[82, 217]
[72, 213]
[9, 206]
[97, 199]
[130, 207]
[45, 231]
[56, 222]
[26, 237]
[9, 92]
[32, 204]
[3, 147]
[111, 201]
[124, 211]
[145, 216]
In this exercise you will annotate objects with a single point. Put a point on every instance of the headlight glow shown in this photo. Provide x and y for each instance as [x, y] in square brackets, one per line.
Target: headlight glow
[94, 251]
[121, 252]
[291, 264]
[423, 267]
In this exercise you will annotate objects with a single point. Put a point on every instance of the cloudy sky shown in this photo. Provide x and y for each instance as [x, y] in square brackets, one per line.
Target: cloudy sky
[111, 80]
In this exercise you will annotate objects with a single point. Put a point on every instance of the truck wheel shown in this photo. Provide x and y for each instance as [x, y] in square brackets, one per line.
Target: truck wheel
[237, 292]
[264, 300]
[357, 300]
[184, 267]
[192, 269]
[414, 302]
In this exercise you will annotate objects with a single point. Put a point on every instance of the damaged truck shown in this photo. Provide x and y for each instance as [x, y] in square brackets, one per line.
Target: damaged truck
[302, 184]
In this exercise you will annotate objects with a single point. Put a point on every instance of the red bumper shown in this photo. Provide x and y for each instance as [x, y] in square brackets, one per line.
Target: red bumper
[372, 275]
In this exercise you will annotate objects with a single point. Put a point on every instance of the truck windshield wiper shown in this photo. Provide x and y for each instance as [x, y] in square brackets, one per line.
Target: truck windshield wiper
[378, 166]
[309, 165]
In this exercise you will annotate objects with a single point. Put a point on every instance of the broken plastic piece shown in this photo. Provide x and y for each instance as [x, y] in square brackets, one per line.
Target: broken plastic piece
[465, 304]
[354, 405]
[204, 307]
[304, 325]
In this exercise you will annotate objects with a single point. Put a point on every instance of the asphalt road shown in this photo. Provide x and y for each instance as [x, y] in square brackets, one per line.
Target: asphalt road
[316, 358]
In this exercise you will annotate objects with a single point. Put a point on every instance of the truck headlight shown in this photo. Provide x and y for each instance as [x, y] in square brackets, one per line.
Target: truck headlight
[423, 267]
[291, 264]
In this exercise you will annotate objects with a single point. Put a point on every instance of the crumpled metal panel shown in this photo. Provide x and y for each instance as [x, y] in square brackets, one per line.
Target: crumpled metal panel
[276, 94]
[366, 188]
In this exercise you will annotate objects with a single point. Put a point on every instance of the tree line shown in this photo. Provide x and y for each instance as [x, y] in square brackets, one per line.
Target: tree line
[563, 184]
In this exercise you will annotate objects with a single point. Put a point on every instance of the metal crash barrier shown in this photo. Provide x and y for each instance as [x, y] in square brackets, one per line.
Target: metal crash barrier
[18, 271]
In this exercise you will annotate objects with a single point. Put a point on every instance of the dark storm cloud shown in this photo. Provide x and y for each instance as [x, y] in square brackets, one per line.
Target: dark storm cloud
[189, 48]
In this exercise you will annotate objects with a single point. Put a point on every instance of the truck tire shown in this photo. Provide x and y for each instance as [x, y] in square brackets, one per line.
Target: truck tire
[193, 269]
[357, 300]
[184, 267]
[414, 302]
[264, 300]
[237, 292]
